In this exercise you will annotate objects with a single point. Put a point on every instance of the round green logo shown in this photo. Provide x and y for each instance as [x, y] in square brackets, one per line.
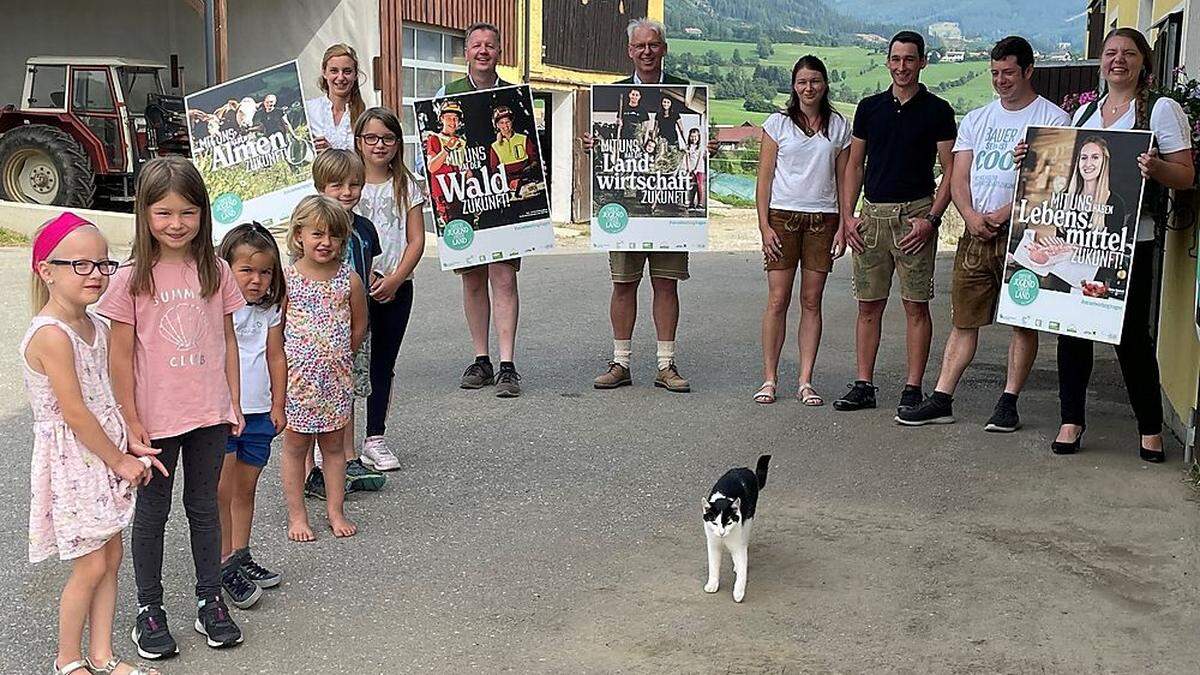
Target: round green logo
[226, 208]
[458, 234]
[612, 218]
[1023, 287]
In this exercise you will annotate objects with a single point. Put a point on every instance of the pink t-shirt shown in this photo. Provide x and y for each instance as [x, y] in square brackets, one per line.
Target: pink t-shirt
[179, 381]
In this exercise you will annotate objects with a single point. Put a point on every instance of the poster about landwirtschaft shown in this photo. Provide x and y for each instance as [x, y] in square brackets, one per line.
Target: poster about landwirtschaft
[250, 141]
[485, 176]
[1074, 225]
[649, 167]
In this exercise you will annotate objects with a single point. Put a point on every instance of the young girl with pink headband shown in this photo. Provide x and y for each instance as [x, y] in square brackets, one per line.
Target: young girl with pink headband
[85, 468]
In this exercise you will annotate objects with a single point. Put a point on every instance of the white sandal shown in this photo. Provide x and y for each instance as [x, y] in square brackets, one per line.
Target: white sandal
[812, 399]
[765, 393]
[113, 664]
[70, 667]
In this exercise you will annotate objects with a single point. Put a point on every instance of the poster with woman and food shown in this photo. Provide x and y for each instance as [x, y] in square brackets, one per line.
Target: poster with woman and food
[1074, 226]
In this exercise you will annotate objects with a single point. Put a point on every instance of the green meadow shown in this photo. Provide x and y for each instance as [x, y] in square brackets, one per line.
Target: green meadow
[851, 59]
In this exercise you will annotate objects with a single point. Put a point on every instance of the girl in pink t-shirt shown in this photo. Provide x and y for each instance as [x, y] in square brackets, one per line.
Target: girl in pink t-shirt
[174, 362]
[84, 468]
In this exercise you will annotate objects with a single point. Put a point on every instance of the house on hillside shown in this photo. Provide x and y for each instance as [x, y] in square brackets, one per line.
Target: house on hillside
[730, 138]
[693, 31]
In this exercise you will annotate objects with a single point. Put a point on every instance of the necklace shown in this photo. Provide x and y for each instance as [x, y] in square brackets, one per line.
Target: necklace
[1112, 110]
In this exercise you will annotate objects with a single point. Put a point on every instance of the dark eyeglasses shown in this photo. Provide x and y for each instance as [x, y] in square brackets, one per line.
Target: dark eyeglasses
[85, 267]
[372, 139]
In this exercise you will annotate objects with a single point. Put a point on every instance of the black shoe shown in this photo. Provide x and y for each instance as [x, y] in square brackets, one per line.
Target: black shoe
[909, 397]
[478, 375]
[213, 622]
[242, 592]
[261, 576]
[1004, 418]
[1155, 456]
[1060, 448]
[359, 476]
[151, 635]
[314, 485]
[860, 397]
[937, 409]
[508, 383]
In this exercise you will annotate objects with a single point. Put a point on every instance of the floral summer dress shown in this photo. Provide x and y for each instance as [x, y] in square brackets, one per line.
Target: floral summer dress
[316, 340]
[77, 502]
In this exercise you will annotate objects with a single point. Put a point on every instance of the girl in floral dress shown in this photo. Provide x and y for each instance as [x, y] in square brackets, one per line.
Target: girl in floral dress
[85, 468]
[325, 322]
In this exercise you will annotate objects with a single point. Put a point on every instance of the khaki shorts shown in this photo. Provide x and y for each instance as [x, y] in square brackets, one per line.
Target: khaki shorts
[627, 266]
[805, 238]
[975, 281]
[515, 263]
[882, 226]
[360, 372]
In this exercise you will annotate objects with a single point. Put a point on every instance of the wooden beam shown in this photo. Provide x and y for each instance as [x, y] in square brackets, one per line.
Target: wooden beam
[221, 25]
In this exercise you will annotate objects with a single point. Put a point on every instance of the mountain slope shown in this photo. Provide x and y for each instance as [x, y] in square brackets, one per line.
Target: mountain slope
[1043, 22]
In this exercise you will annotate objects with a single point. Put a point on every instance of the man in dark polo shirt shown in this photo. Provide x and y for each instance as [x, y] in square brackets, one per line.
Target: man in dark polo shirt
[483, 52]
[647, 48]
[898, 133]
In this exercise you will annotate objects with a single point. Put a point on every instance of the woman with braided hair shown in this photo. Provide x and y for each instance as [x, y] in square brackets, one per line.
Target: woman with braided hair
[1126, 65]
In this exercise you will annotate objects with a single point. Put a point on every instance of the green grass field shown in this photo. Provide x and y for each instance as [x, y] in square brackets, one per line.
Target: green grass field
[851, 59]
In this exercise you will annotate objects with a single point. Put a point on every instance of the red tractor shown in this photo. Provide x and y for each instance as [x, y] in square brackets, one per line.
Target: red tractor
[84, 128]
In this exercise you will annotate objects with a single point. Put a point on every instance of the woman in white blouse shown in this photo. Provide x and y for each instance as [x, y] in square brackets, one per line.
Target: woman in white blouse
[331, 117]
[803, 152]
[1126, 66]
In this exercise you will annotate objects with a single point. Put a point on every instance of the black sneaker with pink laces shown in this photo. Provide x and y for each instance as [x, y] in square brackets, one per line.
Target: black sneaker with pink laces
[214, 623]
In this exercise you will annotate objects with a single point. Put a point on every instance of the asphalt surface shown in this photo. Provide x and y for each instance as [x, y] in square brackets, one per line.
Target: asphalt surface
[560, 531]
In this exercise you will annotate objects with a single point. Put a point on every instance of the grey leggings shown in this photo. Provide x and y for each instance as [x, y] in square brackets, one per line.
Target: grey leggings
[203, 451]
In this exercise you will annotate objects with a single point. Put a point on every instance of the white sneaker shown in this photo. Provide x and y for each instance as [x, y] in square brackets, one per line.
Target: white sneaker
[375, 451]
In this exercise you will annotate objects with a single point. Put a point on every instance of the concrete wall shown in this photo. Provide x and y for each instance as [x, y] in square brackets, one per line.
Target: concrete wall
[144, 29]
[261, 33]
[26, 218]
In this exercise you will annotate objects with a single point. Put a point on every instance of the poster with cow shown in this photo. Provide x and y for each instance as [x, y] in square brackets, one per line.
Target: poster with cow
[250, 141]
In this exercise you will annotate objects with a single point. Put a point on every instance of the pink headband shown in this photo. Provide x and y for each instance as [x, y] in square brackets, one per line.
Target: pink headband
[53, 233]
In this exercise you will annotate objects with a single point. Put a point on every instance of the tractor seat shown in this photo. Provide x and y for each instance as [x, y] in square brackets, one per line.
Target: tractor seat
[58, 98]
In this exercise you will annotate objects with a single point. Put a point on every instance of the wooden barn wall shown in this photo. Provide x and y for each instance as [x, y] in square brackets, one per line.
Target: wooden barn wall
[458, 14]
[589, 36]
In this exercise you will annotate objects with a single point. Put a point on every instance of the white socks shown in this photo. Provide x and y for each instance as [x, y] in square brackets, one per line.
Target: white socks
[666, 353]
[622, 349]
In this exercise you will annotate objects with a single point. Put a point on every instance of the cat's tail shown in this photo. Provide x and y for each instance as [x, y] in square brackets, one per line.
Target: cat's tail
[760, 471]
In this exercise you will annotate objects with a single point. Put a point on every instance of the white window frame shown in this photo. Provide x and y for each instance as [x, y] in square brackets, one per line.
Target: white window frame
[414, 63]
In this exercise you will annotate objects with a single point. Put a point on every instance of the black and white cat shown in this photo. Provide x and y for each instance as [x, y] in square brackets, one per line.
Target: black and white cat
[728, 515]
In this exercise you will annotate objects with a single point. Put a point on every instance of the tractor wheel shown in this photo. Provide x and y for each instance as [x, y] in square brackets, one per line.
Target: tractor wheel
[41, 164]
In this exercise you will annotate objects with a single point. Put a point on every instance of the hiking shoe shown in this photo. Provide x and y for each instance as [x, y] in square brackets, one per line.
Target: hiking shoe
[909, 397]
[934, 410]
[375, 451]
[261, 576]
[860, 397]
[242, 592]
[314, 485]
[1004, 418]
[669, 378]
[151, 635]
[617, 375]
[360, 477]
[508, 383]
[478, 375]
[213, 622]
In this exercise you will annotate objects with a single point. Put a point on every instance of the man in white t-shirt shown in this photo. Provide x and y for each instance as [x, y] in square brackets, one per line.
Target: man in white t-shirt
[982, 185]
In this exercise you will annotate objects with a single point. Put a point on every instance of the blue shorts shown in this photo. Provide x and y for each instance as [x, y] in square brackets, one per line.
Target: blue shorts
[254, 445]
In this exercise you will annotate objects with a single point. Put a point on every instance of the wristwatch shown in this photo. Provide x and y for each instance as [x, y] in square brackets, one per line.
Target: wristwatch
[936, 221]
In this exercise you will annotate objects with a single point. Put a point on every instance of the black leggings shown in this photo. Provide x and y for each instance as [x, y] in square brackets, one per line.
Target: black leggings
[1137, 355]
[389, 320]
[203, 451]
